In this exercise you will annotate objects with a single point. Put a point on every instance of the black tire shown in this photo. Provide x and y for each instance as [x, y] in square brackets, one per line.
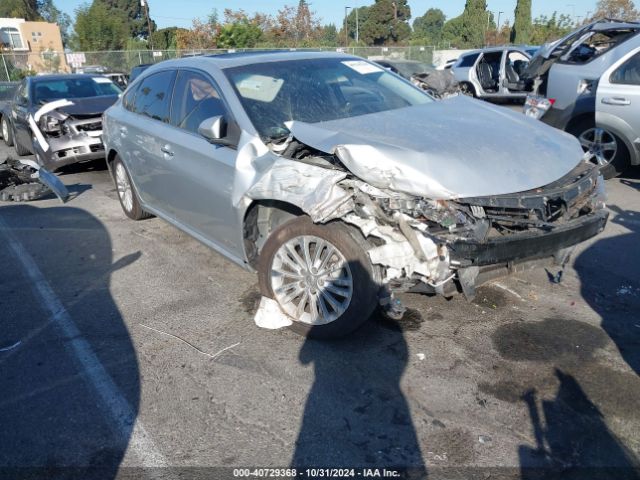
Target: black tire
[6, 127]
[135, 211]
[21, 150]
[349, 242]
[621, 160]
[467, 89]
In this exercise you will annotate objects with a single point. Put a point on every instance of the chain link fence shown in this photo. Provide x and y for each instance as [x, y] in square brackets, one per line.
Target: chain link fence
[14, 65]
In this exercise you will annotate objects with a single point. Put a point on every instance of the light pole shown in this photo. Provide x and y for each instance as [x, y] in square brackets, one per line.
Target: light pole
[498, 30]
[346, 27]
[357, 25]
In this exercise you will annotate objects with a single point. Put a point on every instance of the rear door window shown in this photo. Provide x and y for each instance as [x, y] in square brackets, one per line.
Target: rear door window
[469, 60]
[628, 73]
[195, 99]
[153, 97]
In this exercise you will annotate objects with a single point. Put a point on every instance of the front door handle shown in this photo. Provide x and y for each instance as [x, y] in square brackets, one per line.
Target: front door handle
[167, 151]
[123, 131]
[620, 101]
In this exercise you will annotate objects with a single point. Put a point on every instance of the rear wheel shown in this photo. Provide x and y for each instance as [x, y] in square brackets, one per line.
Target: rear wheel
[21, 150]
[601, 147]
[126, 193]
[320, 276]
[7, 134]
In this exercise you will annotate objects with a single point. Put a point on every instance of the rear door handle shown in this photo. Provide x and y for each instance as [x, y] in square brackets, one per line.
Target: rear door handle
[167, 151]
[123, 130]
[616, 101]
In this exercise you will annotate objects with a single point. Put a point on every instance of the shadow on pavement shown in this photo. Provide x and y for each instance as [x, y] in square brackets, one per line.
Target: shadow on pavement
[54, 422]
[610, 283]
[356, 415]
[573, 441]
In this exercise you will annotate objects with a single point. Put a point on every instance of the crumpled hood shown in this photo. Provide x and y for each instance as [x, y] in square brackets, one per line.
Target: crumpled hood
[91, 106]
[454, 148]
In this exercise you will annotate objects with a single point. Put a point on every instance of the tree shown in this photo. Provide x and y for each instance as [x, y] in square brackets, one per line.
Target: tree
[165, 38]
[362, 14]
[329, 36]
[429, 26]
[27, 9]
[239, 31]
[135, 14]
[294, 26]
[387, 22]
[521, 31]
[201, 36]
[619, 9]
[50, 13]
[453, 32]
[547, 29]
[476, 21]
[98, 27]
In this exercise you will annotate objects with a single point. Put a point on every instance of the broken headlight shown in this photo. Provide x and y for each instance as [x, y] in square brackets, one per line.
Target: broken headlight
[49, 124]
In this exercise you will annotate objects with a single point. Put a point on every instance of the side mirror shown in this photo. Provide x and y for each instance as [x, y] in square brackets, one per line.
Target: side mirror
[213, 129]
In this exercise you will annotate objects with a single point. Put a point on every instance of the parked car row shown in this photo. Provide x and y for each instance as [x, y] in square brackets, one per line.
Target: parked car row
[336, 180]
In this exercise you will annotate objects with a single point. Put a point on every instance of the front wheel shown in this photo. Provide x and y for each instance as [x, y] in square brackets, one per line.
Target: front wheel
[320, 276]
[601, 147]
[6, 132]
[467, 89]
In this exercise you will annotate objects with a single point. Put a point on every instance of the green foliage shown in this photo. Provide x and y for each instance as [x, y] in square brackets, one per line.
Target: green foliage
[619, 9]
[521, 31]
[50, 13]
[165, 38]
[476, 21]
[547, 29]
[134, 13]
[98, 27]
[430, 26]
[329, 36]
[27, 9]
[239, 35]
[452, 31]
[387, 22]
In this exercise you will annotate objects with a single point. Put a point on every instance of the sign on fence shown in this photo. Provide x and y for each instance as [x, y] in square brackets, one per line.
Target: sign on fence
[76, 60]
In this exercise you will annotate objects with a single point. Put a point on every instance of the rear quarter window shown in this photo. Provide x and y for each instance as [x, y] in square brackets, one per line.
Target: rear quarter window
[468, 60]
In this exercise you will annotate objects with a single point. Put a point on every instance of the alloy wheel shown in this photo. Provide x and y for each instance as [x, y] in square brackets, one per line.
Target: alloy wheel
[124, 187]
[311, 280]
[599, 145]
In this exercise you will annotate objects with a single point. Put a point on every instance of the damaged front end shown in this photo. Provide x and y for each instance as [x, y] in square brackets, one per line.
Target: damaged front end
[25, 180]
[63, 137]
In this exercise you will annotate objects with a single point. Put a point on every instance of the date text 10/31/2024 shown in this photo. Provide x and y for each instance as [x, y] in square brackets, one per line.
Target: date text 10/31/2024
[315, 473]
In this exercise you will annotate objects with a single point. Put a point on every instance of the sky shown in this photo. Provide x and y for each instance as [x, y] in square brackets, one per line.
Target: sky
[179, 13]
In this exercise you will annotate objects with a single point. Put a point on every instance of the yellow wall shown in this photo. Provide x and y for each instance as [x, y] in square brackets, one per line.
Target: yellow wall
[44, 37]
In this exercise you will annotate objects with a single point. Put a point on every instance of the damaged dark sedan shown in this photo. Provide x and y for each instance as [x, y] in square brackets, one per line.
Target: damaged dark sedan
[58, 118]
[341, 183]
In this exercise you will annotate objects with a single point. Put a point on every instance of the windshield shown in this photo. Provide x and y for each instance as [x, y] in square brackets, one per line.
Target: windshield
[78, 87]
[317, 90]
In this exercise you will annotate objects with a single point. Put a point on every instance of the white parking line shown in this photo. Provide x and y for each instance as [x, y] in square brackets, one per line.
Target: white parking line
[117, 407]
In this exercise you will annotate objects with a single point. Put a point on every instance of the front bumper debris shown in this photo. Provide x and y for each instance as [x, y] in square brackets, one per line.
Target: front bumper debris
[25, 180]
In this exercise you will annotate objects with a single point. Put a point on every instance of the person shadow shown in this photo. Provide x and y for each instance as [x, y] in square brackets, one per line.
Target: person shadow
[608, 272]
[356, 415]
[576, 443]
[57, 421]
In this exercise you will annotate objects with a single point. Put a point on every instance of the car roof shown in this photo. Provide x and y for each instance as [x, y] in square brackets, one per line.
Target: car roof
[230, 60]
[64, 76]
[519, 48]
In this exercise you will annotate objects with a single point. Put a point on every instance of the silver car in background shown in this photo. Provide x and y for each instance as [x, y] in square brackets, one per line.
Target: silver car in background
[341, 183]
[493, 73]
[586, 84]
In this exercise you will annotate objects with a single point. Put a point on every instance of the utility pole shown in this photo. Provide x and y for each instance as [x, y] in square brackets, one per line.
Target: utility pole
[145, 5]
[346, 27]
[499, 29]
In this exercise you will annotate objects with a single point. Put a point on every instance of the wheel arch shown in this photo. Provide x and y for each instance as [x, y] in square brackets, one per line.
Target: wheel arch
[110, 157]
[260, 219]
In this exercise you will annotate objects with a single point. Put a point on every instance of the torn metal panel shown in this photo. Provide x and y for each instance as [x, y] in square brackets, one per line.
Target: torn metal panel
[25, 180]
[436, 150]
[270, 315]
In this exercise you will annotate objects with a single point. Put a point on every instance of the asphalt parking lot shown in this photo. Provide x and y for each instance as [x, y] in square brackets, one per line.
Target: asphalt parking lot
[128, 344]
